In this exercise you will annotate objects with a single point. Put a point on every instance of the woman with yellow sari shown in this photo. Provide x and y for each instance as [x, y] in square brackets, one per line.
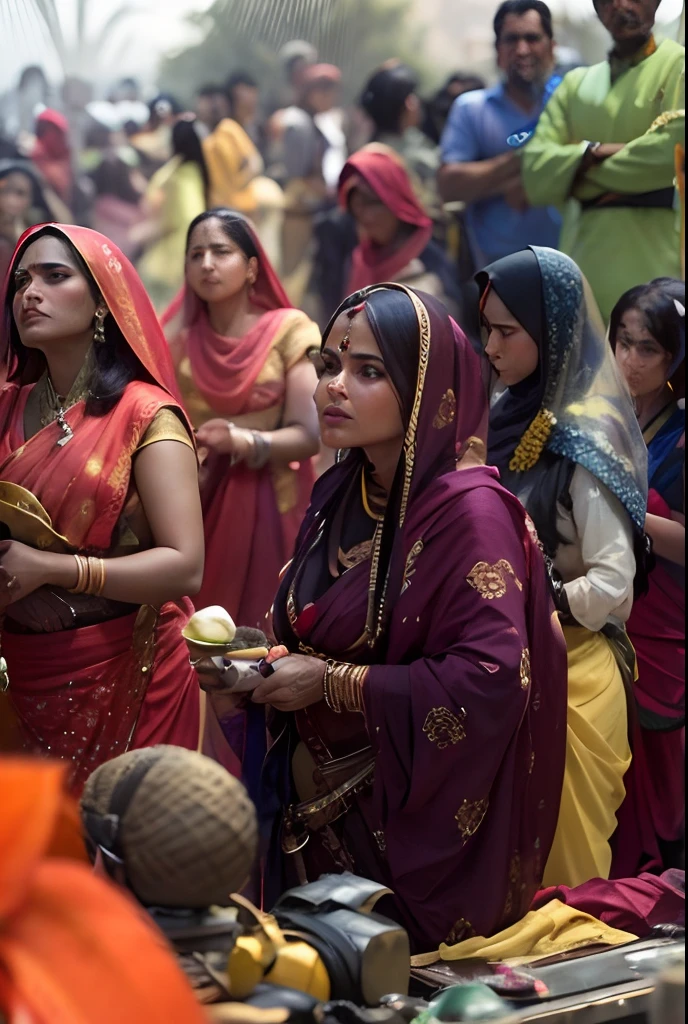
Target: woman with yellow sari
[567, 443]
[99, 504]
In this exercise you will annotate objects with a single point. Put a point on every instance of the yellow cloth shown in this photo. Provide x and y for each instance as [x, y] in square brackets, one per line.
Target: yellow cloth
[175, 194]
[597, 757]
[233, 163]
[554, 928]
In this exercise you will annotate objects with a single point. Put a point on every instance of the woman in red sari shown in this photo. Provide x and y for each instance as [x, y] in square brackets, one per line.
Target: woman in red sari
[51, 153]
[422, 670]
[394, 229]
[240, 351]
[99, 495]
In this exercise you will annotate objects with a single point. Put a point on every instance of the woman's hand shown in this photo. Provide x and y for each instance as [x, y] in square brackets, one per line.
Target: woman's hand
[222, 437]
[298, 681]
[22, 570]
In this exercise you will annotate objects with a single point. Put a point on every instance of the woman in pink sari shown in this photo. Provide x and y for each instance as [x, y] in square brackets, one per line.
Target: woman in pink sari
[100, 514]
[240, 353]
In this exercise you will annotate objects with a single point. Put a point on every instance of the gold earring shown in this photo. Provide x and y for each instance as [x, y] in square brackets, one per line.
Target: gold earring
[99, 333]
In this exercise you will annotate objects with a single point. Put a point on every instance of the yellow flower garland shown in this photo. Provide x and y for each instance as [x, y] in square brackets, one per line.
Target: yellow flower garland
[533, 441]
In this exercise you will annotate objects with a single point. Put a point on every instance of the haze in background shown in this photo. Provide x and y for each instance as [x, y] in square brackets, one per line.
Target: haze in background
[458, 34]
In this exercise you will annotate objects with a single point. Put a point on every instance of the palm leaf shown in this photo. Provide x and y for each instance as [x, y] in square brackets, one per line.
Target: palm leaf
[121, 14]
[47, 9]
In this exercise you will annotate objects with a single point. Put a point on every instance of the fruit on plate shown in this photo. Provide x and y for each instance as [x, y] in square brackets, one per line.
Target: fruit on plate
[211, 625]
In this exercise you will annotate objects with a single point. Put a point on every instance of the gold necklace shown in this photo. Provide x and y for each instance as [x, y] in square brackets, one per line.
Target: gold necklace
[364, 498]
[52, 407]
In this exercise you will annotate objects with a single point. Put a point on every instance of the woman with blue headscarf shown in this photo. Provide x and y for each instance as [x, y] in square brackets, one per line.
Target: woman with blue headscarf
[565, 438]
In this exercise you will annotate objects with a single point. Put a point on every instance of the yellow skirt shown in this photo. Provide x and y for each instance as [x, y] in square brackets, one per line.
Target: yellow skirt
[597, 758]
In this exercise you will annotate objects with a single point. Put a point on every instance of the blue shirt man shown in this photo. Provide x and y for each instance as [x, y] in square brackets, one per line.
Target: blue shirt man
[479, 167]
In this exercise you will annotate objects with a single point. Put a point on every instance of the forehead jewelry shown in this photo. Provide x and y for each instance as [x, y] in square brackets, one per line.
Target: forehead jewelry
[351, 313]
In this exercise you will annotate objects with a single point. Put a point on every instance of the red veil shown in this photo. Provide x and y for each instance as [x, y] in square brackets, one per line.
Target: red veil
[225, 369]
[126, 298]
[384, 172]
[125, 681]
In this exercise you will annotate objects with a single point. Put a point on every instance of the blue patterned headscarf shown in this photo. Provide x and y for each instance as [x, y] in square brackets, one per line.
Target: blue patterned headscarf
[581, 393]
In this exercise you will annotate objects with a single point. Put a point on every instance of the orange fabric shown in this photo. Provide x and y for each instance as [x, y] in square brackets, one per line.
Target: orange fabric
[73, 949]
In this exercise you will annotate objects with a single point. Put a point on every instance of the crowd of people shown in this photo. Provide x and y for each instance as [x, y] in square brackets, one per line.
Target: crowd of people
[400, 387]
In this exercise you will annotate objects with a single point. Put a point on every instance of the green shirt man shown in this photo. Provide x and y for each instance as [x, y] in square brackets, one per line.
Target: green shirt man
[604, 152]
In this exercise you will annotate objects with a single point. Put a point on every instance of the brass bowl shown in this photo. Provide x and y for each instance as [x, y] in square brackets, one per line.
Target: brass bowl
[27, 520]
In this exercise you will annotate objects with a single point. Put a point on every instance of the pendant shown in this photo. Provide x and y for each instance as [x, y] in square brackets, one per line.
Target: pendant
[66, 430]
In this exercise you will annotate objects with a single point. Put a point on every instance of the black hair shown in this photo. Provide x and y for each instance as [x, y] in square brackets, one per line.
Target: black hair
[186, 143]
[520, 7]
[394, 323]
[240, 78]
[39, 203]
[385, 94]
[464, 78]
[163, 98]
[116, 365]
[112, 177]
[211, 89]
[393, 320]
[234, 226]
[656, 301]
[439, 105]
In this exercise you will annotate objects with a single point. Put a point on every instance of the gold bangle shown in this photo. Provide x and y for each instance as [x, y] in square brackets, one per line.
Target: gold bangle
[96, 579]
[331, 697]
[97, 576]
[343, 686]
[79, 586]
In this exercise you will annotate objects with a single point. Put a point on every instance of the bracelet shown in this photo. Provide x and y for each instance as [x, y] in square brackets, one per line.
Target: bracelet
[261, 450]
[90, 576]
[81, 575]
[342, 685]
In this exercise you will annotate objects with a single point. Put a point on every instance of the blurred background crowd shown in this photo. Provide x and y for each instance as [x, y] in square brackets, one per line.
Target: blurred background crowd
[255, 107]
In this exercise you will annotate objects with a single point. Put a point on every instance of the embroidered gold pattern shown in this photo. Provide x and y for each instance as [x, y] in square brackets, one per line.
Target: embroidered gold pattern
[374, 623]
[410, 440]
[470, 815]
[532, 762]
[409, 569]
[446, 414]
[491, 580]
[463, 929]
[355, 555]
[524, 671]
[443, 727]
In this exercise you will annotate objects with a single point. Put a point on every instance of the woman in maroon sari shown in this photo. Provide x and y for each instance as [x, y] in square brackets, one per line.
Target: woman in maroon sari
[100, 507]
[421, 666]
[240, 350]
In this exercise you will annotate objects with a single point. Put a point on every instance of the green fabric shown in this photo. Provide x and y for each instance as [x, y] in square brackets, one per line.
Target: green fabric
[615, 248]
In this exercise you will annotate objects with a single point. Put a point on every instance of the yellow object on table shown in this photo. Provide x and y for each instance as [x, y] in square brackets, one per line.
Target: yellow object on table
[550, 930]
